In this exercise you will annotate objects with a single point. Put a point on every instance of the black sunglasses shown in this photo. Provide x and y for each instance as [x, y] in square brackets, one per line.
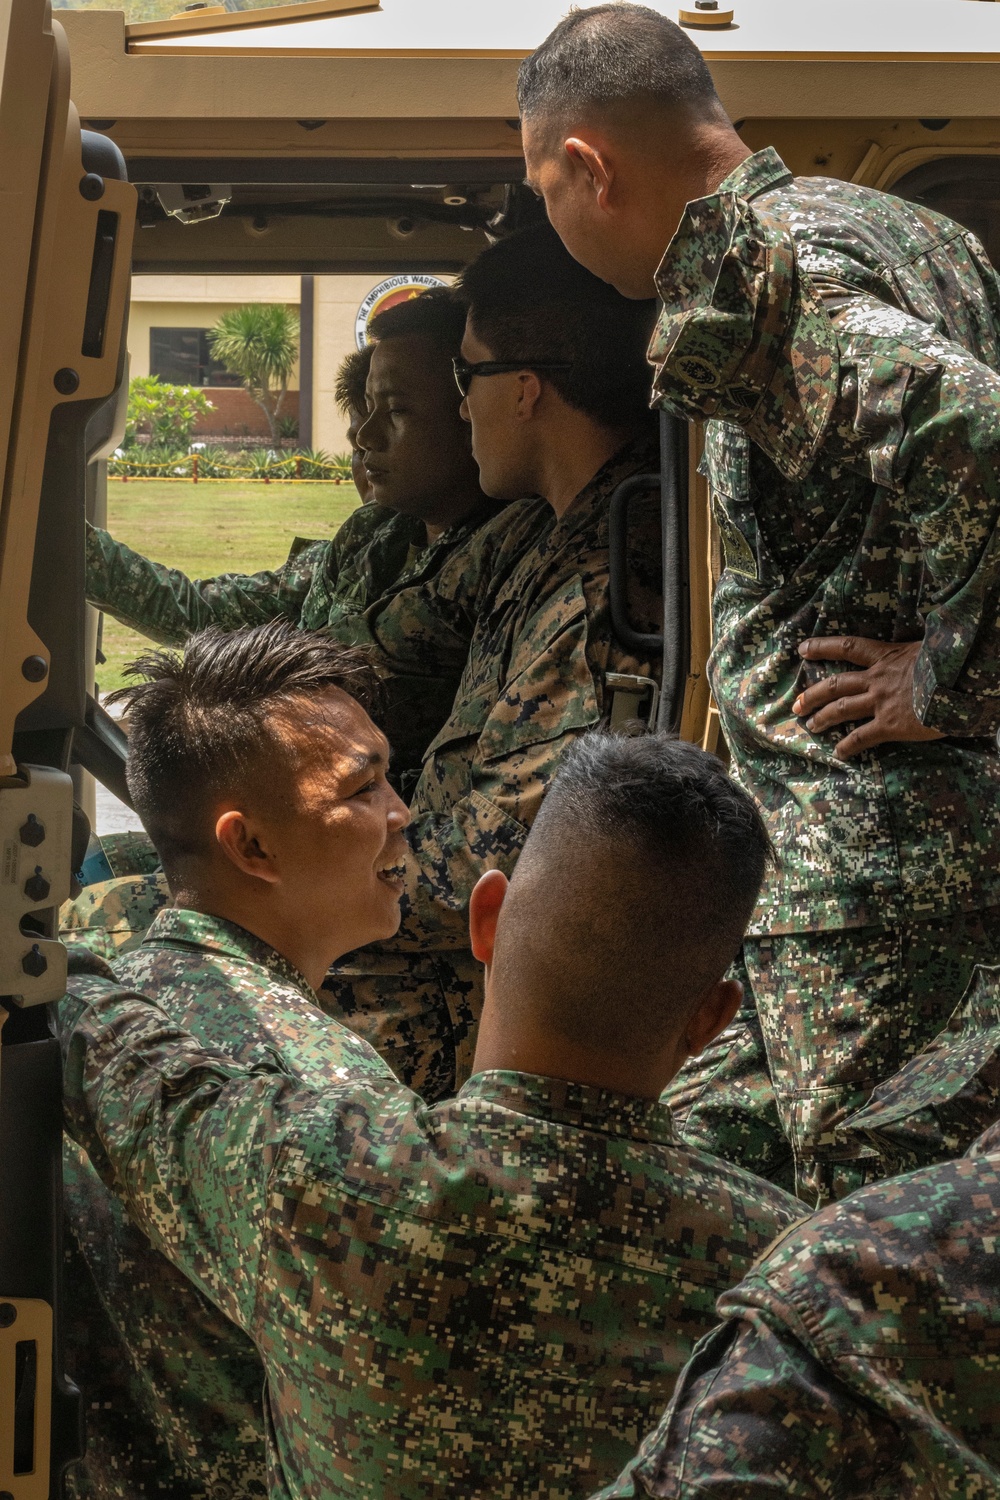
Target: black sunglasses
[464, 372]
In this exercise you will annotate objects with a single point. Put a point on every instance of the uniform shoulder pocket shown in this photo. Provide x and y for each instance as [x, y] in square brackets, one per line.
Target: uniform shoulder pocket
[725, 463]
[527, 680]
[547, 685]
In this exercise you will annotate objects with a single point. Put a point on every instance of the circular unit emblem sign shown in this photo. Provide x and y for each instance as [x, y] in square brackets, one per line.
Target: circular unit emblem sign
[394, 289]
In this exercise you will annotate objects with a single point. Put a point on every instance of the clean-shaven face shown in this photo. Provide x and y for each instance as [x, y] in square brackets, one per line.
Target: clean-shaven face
[415, 445]
[334, 822]
[593, 236]
[501, 445]
[356, 420]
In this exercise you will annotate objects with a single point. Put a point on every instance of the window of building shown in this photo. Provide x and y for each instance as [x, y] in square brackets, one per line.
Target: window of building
[182, 356]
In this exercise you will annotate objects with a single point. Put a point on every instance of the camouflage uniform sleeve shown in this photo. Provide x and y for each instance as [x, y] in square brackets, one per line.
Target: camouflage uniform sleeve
[487, 771]
[936, 1106]
[187, 1136]
[949, 462]
[166, 605]
[754, 1416]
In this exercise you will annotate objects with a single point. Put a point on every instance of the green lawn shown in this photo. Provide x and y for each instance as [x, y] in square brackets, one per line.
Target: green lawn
[205, 529]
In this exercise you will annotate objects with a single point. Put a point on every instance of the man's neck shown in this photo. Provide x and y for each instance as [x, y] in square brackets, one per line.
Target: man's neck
[309, 955]
[460, 509]
[522, 1048]
[578, 449]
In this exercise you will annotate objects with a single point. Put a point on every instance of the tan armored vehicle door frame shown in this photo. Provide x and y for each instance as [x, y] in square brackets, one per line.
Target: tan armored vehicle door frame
[699, 715]
[58, 240]
[65, 257]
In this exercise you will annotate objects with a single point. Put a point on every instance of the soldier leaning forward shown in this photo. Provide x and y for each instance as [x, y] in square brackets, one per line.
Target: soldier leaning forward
[841, 346]
[492, 1295]
[876, 433]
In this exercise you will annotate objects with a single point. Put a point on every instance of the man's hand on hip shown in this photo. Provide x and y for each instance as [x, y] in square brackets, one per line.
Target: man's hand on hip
[881, 694]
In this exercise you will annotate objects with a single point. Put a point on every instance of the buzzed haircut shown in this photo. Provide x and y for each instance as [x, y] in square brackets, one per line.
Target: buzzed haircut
[436, 314]
[605, 56]
[633, 892]
[208, 722]
[352, 377]
[529, 300]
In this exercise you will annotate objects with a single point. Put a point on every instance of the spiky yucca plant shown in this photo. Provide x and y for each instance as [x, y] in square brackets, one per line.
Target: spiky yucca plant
[259, 342]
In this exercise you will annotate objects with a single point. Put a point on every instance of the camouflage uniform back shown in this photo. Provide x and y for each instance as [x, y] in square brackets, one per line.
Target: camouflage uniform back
[861, 1355]
[491, 1297]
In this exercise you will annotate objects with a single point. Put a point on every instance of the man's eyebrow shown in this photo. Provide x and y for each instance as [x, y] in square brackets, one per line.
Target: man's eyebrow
[362, 761]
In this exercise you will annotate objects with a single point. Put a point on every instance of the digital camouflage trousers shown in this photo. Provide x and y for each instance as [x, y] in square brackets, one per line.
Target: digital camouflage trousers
[826, 1017]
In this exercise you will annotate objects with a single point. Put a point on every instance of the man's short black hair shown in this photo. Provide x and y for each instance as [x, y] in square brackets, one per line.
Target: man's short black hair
[435, 314]
[633, 892]
[606, 56]
[208, 722]
[352, 377]
[528, 299]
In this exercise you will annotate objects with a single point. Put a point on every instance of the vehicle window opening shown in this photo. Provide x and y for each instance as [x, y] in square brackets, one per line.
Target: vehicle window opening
[25, 1386]
[99, 294]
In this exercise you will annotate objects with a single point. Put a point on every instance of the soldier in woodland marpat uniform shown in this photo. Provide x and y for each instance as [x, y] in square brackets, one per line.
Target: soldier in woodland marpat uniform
[556, 387]
[427, 505]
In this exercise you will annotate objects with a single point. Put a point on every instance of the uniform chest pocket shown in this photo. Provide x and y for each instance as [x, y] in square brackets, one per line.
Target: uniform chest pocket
[726, 464]
[528, 678]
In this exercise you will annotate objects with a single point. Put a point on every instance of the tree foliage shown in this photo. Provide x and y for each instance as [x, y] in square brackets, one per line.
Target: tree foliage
[259, 342]
[168, 413]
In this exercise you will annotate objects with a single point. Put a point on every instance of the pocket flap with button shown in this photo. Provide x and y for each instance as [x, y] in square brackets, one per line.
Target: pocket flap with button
[548, 686]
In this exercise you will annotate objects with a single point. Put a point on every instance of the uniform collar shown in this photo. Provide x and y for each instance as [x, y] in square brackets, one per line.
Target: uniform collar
[743, 336]
[177, 927]
[638, 455]
[760, 173]
[580, 1105]
[459, 530]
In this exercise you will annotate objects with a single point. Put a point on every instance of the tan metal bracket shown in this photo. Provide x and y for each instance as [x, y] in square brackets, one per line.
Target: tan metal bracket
[26, 1322]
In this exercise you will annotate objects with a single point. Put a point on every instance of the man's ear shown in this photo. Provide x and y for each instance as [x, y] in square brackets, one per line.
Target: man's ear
[589, 157]
[716, 1009]
[529, 393]
[484, 912]
[240, 840]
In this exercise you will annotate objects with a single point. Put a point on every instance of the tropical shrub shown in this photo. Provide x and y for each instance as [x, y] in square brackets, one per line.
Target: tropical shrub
[259, 342]
[168, 413]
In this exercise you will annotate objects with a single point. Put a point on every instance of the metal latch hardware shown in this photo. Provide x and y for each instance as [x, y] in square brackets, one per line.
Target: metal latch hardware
[634, 701]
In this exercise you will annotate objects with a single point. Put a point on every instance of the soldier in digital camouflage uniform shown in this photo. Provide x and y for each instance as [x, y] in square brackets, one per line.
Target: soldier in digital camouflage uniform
[542, 644]
[123, 889]
[492, 1296]
[860, 1358]
[172, 1388]
[841, 346]
[350, 394]
[428, 508]
[936, 1106]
